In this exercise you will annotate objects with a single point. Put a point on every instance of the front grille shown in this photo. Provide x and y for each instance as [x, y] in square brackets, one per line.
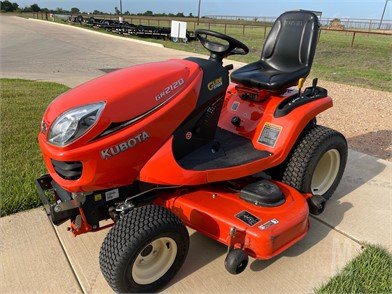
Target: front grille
[69, 170]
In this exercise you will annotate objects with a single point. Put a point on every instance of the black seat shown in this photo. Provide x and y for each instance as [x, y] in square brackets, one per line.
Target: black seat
[287, 54]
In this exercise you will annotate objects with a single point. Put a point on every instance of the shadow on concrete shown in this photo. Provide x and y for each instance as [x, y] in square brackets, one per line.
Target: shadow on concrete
[361, 169]
[314, 236]
[373, 143]
[202, 251]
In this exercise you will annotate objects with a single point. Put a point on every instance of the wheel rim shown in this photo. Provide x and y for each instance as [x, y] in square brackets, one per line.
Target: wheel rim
[325, 173]
[154, 260]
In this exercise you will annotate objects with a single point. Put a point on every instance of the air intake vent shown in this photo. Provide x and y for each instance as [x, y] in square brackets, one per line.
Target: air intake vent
[69, 170]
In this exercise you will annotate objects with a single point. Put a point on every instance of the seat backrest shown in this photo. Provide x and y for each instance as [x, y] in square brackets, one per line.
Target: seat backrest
[291, 43]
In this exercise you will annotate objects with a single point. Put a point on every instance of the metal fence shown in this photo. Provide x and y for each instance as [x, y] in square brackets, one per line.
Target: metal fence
[347, 23]
[214, 23]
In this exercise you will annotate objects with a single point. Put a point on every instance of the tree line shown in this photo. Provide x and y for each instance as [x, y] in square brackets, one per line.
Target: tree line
[7, 6]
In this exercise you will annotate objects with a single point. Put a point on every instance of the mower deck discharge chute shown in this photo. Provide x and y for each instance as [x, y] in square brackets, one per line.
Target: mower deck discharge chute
[159, 146]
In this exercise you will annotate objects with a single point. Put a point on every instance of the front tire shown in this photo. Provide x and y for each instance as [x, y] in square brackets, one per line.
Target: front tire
[144, 250]
[317, 163]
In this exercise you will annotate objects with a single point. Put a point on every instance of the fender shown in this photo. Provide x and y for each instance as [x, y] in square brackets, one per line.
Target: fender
[287, 128]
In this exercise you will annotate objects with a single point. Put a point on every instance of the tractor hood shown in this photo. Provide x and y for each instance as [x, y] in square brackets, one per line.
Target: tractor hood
[127, 93]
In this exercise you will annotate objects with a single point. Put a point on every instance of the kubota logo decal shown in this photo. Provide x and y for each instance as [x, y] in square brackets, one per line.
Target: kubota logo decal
[124, 146]
[215, 84]
[169, 89]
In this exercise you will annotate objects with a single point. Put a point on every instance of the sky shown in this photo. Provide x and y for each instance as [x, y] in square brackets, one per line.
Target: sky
[330, 8]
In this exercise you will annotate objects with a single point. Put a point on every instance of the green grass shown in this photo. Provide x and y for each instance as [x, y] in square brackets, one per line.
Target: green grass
[370, 272]
[367, 64]
[22, 106]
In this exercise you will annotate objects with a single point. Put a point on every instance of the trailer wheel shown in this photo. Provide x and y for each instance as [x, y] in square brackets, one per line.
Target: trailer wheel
[317, 163]
[144, 250]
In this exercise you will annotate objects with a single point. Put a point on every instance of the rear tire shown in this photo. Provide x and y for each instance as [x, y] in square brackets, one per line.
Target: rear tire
[317, 163]
[144, 250]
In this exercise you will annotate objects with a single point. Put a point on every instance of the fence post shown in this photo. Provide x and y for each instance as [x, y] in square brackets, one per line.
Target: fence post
[265, 31]
[243, 30]
[148, 21]
[352, 41]
[225, 28]
[209, 26]
[194, 26]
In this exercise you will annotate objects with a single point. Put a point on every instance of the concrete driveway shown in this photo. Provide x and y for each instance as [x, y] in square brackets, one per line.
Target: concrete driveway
[37, 258]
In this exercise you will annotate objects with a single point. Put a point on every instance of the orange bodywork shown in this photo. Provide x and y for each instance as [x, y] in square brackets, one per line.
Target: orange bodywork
[153, 161]
[254, 116]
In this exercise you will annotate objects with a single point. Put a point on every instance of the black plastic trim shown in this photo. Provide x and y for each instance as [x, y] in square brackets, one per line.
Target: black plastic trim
[69, 170]
[295, 101]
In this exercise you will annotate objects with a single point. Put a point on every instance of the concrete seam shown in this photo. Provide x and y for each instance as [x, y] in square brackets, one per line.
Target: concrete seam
[337, 230]
[66, 257]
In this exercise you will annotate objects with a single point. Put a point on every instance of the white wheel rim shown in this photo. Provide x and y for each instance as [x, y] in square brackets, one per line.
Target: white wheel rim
[154, 261]
[325, 173]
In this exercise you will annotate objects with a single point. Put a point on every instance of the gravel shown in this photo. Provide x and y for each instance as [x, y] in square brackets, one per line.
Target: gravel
[362, 115]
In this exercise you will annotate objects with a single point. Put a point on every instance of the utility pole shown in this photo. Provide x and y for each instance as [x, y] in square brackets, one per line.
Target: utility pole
[198, 13]
[383, 12]
[121, 15]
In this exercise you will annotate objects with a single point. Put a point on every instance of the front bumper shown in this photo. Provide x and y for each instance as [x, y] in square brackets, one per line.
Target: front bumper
[58, 203]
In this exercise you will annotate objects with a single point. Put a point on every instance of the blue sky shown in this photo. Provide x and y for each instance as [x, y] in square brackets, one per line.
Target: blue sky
[330, 8]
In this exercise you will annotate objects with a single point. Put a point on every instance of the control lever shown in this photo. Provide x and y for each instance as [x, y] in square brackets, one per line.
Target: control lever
[301, 82]
[229, 67]
[314, 86]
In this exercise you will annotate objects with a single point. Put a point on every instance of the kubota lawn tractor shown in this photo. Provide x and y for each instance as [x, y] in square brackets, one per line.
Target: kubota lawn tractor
[161, 146]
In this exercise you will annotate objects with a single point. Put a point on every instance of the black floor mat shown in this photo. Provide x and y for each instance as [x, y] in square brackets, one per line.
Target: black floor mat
[234, 150]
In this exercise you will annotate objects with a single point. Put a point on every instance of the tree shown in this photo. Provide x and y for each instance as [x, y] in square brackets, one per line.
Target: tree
[148, 13]
[7, 6]
[97, 12]
[191, 15]
[35, 8]
[116, 10]
[59, 10]
[180, 14]
[127, 13]
[75, 10]
[27, 9]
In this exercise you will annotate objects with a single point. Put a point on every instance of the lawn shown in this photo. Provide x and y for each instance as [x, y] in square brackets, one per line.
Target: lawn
[22, 106]
[370, 272]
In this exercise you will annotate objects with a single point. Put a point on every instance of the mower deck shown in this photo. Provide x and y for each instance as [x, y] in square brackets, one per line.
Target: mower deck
[262, 232]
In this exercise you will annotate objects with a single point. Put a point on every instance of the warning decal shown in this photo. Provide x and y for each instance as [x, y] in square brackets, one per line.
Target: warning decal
[247, 218]
[269, 135]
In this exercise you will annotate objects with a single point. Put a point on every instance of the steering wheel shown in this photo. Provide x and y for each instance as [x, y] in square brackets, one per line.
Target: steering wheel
[219, 51]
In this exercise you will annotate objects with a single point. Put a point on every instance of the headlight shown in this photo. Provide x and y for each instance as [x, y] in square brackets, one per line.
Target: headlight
[74, 123]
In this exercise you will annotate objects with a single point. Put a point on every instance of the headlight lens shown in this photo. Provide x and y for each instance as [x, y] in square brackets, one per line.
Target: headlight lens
[74, 123]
